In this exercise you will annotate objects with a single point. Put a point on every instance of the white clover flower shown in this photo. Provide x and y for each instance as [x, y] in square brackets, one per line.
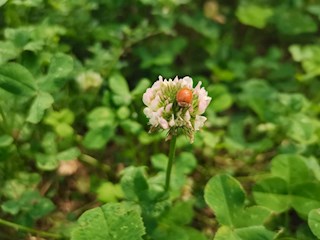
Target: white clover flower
[89, 80]
[176, 106]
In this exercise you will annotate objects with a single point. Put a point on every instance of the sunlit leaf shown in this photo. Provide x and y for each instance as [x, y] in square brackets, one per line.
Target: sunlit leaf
[254, 15]
[291, 168]
[225, 197]
[2, 2]
[254, 232]
[42, 101]
[120, 88]
[113, 221]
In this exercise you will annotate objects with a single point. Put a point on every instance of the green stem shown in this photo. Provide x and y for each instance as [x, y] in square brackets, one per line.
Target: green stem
[172, 152]
[27, 229]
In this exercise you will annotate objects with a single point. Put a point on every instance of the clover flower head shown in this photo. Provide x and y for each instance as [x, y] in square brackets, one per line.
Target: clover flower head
[176, 106]
[89, 80]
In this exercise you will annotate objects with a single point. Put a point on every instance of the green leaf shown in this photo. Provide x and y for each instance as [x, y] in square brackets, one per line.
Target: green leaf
[222, 98]
[259, 96]
[306, 197]
[195, 234]
[294, 22]
[301, 128]
[101, 117]
[254, 15]
[134, 183]
[7, 50]
[11, 207]
[41, 207]
[292, 168]
[225, 197]
[2, 2]
[5, 140]
[314, 222]
[22, 182]
[170, 232]
[273, 194]
[97, 138]
[31, 203]
[113, 221]
[253, 216]
[17, 80]
[131, 126]
[159, 161]
[141, 87]
[63, 116]
[253, 232]
[185, 163]
[63, 130]
[69, 154]
[181, 213]
[226, 233]
[46, 162]
[61, 65]
[123, 113]
[42, 102]
[120, 88]
[109, 192]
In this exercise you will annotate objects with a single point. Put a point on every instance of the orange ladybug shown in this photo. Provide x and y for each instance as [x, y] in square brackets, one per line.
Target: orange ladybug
[184, 97]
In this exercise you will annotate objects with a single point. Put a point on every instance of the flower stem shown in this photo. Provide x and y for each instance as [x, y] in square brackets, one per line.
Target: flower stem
[27, 229]
[172, 152]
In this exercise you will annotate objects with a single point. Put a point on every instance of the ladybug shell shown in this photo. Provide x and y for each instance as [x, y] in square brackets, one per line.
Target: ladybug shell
[184, 97]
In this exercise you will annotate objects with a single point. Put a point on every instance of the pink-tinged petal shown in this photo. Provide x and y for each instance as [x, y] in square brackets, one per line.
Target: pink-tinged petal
[203, 104]
[187, 116]
[147, 96]
[163, 123]
[160, 111]
[199, 122]
[155, 103]
[196, 90]
[168, 107]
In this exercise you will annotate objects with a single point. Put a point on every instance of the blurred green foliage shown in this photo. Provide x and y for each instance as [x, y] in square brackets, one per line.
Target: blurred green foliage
[73, 132]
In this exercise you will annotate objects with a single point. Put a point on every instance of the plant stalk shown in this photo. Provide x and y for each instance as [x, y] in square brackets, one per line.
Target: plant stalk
[172, 152]
[31, 230]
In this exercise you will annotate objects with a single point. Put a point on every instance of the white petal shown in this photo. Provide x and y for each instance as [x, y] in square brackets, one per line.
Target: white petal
[171, 123]
[187, 82]
[199, 122]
